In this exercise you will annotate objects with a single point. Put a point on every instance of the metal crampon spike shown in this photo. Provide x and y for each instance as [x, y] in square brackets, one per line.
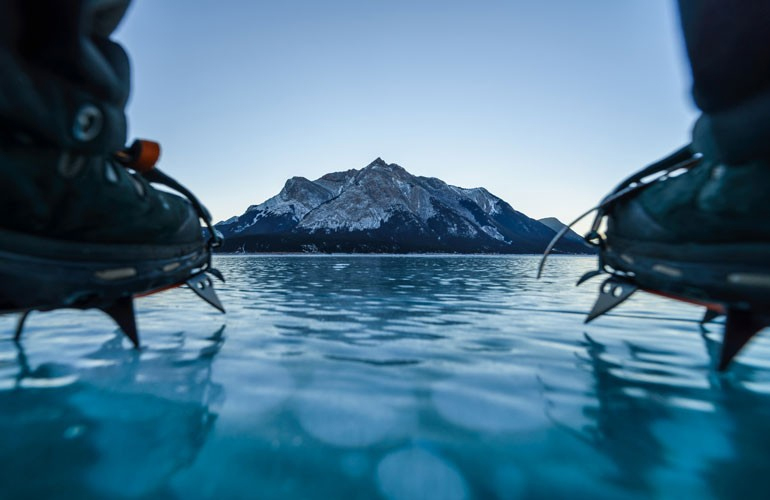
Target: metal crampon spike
[740, 327]
[613, 292]
[217, 273]
[20, 325]
[122, 312]
[587, 276]
[203, 287]
[709, 316]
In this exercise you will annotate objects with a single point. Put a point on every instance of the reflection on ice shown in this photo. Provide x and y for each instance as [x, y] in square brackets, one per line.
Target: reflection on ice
[120, 426]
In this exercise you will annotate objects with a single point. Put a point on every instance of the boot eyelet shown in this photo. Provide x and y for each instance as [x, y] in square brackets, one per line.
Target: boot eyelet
[110, 174]
[88, 123]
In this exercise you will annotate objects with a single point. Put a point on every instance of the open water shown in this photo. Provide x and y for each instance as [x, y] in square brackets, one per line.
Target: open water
[397, 377]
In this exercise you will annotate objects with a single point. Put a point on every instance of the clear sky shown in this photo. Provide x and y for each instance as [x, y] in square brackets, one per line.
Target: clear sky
[546, 103]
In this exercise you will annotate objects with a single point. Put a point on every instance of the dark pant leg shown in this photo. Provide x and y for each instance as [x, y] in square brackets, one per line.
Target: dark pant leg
[728, 43]
[62, 81]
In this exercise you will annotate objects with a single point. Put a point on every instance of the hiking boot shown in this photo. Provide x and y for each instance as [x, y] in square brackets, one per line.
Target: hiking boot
[83, 231]
[693, 228]
[78, 229]
[704, 234]
[89, 199]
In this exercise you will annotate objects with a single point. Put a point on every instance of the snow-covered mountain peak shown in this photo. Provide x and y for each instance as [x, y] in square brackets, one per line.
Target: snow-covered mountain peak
[382, 206]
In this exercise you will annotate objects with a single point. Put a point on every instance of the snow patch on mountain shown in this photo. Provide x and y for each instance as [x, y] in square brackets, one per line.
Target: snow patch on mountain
[491, 231]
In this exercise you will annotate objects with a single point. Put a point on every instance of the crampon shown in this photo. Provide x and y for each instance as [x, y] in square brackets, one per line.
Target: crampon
[728, 279]
[44, 274]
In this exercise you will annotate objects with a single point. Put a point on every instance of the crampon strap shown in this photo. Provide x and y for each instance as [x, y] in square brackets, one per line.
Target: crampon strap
[142, 157]
[678, 162]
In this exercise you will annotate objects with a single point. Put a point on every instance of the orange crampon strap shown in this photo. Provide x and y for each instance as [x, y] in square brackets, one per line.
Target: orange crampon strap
[141, 156]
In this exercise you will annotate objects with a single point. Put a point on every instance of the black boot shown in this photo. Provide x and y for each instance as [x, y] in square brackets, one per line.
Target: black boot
[704, 234]
[695, 229]
[81, 225]
[87, 232]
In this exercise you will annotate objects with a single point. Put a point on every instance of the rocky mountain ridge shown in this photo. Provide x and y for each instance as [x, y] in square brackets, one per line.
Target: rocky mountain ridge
[384, 208]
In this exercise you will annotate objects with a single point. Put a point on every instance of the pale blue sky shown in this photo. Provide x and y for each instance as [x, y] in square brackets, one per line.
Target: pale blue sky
[546, 103]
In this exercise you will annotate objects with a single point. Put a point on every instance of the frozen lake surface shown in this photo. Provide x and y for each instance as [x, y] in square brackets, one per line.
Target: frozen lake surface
[397, 377]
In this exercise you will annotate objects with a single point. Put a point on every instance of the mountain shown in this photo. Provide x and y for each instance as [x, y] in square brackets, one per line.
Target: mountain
[383, 208]
[556, 225]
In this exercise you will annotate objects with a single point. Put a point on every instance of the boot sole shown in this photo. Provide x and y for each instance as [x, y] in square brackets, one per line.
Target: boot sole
[737, 275]
[44, 274]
